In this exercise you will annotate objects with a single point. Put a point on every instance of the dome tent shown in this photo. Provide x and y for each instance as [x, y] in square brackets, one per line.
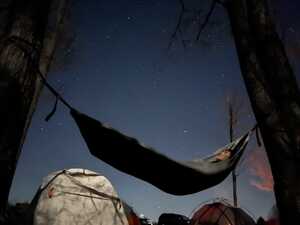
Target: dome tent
[221, 213]
[77, 196]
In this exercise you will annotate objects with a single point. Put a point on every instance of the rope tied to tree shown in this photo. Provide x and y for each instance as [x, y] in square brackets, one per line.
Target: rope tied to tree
[29, 49]
[23, 45]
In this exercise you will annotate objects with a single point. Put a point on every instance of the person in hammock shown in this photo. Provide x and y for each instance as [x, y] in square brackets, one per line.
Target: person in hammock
[223, 155]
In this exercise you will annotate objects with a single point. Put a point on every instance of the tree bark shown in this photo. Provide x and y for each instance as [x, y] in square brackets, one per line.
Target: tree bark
[35, 22]
[274, 96]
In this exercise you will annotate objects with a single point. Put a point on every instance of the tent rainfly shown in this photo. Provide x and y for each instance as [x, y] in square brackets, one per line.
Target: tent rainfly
[77, 196]
[221, 213]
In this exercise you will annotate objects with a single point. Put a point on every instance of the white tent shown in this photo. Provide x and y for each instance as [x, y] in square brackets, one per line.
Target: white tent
[77, 196]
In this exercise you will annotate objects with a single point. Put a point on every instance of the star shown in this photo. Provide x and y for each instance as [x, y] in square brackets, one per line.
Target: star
[291, 29]
[155, 83]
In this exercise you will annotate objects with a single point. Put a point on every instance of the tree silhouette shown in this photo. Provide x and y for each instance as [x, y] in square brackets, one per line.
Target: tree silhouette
[27, 43]
[272, 90]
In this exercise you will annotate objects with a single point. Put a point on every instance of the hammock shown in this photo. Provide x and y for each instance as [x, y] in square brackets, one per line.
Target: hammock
[128, 155]
[178, 178]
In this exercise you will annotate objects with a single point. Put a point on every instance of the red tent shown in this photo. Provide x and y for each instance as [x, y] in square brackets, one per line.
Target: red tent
[273, 218]
[218, 213]
[132, 218]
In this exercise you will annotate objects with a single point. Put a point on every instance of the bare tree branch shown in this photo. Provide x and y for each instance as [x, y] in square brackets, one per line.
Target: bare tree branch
[178, 26]
[178, 33]
[206, 20]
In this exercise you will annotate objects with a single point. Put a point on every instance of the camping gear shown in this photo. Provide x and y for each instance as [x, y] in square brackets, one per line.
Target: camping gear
[77, 196]
[221, 213]
[132, 217]
[145, 221]
[173, 219]
[128, 155]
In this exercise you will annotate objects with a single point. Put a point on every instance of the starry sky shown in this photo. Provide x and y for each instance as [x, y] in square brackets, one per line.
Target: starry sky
[119, 70]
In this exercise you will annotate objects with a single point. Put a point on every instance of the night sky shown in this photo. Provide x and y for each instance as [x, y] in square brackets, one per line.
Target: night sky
[121, 73]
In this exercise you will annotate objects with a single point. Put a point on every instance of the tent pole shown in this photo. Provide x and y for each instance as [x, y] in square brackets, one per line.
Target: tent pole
[231, 136]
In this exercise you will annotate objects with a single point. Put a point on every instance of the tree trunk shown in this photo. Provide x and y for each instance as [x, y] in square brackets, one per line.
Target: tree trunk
[31, 21]
[274, 96]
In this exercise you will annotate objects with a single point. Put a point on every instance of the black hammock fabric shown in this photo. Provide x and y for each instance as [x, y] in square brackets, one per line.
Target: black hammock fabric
[178, 178]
